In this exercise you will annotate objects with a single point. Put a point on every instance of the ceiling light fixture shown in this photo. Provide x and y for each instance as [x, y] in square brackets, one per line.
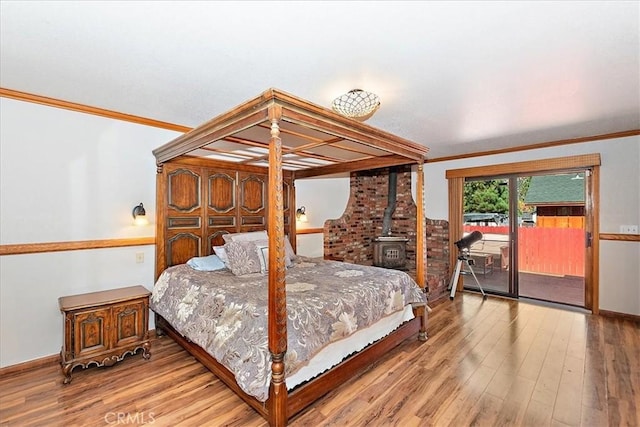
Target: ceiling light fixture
[356, 104]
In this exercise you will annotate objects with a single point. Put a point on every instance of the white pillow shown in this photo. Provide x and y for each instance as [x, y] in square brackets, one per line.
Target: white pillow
[245, 237]
[222, 254]
[288, 249]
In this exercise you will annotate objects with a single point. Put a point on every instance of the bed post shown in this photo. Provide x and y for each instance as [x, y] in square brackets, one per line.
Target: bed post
[293, 228]
[277, 405]
[161, 194]
[421, 250]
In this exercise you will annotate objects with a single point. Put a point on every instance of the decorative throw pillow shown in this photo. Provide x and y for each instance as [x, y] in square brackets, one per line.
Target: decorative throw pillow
[248, 236]
[263, 253]
[262, 247]
[243, 257]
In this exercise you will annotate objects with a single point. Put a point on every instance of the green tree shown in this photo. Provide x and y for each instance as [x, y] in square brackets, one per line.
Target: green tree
[492, 196]
[486, 196]
[523, 188]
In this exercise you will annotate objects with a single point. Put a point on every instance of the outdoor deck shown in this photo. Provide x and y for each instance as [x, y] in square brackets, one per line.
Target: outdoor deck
[560, 289]
[551, 262]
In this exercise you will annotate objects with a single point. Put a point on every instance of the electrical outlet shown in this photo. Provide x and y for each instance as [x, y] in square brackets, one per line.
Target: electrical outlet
[628, 229]
[139, 257]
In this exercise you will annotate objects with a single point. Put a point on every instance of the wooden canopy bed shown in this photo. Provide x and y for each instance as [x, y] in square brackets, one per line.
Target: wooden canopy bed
[236, 173]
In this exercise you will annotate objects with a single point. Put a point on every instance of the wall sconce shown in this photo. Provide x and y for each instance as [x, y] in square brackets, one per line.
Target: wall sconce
[140, 215]
[301, 214]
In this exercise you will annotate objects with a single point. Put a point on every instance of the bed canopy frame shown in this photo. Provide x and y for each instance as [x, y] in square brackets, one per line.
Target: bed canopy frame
[285, 138]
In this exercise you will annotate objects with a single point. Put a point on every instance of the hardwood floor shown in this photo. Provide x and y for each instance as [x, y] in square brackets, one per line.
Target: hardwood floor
[491, 363]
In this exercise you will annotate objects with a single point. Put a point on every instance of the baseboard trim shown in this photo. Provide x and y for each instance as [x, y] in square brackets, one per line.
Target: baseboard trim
[632, 317]
[30, 365]
[53, 359]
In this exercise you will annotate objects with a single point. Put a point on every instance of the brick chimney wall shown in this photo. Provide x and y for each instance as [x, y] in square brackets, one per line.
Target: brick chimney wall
[437, 235]
[350, 237]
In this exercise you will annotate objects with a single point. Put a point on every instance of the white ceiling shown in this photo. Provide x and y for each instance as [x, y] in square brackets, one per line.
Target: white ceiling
[459, 77]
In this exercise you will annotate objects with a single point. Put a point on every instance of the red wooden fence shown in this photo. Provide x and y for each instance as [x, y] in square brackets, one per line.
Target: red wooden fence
[557, 251]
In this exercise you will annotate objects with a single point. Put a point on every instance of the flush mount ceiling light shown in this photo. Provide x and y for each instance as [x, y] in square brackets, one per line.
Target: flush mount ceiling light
[356, 104]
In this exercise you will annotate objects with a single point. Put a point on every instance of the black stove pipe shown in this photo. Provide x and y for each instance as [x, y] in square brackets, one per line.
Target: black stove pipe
[391, 202]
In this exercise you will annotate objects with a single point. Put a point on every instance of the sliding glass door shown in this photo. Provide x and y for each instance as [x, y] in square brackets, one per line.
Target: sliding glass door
[533, 235]
[486, 209]
[551, 243]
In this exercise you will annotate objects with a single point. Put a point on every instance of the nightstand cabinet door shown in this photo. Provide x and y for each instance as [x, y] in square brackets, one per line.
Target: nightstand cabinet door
[102, 327]
[91, 332]
[130, 319]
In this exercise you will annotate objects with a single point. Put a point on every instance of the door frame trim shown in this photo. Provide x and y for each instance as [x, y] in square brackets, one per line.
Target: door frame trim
[456, 178]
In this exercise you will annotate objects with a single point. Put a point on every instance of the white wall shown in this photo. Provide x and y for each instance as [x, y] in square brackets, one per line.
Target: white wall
[67, 176]
[323, 198]
[619, 204]
[620, 276]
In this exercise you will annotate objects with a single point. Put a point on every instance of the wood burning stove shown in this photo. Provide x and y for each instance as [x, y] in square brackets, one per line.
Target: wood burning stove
[390, 252]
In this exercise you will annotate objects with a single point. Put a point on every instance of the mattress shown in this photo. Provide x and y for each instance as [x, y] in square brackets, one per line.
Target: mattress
[333, 310]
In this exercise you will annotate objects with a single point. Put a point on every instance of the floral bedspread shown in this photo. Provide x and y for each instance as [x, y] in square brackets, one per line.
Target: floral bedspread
[227, 315]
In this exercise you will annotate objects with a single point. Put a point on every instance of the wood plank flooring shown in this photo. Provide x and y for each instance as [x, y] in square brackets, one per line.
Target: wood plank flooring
[486, 363]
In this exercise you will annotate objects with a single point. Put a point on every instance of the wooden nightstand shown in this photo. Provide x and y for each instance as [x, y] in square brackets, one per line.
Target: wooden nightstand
[103, 327]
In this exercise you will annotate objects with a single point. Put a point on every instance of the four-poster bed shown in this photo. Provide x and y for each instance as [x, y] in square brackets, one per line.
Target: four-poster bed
[235, 174]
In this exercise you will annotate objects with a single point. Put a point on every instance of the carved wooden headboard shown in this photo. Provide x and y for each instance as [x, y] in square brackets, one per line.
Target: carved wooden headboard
[200, 200]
